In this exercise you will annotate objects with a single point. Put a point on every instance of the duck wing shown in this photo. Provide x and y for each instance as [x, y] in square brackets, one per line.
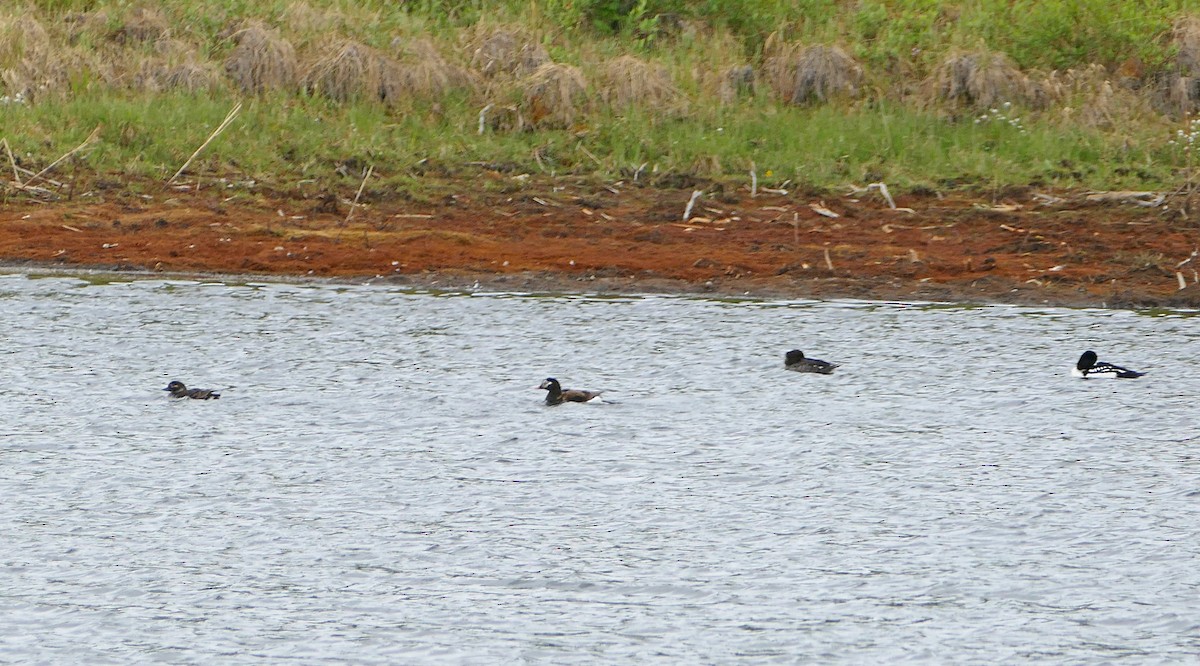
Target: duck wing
[578, 395]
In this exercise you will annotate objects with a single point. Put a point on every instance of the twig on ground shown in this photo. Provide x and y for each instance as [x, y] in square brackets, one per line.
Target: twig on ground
[1047, 199]
[12, 161]
[589, 154]
[781, 190]
[483, 117]
[1193, 255]
[357, 195]
[91, 137]
[820, 209]
[881, 187]
[237, 108]
[687, 212]
[1143, 199]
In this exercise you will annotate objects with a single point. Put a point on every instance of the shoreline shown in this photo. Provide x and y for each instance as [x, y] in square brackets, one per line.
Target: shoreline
[557, 236]
[547, 283]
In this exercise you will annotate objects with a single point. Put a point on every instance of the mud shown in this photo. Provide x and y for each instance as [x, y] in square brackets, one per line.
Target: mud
[566, 236]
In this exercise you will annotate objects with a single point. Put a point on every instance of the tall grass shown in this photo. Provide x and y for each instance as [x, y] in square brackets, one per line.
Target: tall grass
[818, 93]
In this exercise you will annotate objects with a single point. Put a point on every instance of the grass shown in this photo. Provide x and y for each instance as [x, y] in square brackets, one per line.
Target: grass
[280, 141]
[645, 87]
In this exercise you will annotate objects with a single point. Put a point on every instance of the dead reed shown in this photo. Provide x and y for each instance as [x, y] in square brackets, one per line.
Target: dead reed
[262, 60]
[29, 64]
[421, 73]
[627, 81]
[349, 71]
[1179, 90]
[555, 95]
[818, 73]
[142, 24]
[737, 82]
[510, 52]
[977, 80]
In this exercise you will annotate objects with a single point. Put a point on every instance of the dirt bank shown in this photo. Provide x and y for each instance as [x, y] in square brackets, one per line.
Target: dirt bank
[1017, 248]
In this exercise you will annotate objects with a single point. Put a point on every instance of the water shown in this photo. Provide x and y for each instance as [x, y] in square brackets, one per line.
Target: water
[380, 482]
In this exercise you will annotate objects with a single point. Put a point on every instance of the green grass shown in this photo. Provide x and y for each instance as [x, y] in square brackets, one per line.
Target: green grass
[287, 138]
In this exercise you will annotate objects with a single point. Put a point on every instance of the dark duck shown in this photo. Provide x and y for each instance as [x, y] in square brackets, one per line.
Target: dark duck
[795, 360]
[1089, 366]
[557, 395]
[178, 390]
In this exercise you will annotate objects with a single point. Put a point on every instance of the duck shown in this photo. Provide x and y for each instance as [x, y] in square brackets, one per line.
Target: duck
[557, 395]
[1088, 366]
[178, 390]
[795, 360]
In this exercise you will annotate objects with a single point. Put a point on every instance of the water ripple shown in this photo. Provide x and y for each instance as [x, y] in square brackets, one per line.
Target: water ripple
[380, 482]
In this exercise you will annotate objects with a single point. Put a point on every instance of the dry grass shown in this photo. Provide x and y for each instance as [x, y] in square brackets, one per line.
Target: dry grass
[555, 95]
[86, 25]
[820, 73]
[173, 65]
[1185, 37]
[502, 119]
[1179, 91]
[143, 24]
[307, 24]
[29, 64]
[627, 81]
[21, 37]
[979, 80]
[191, 77]
[350, 71]
[422, 73]
[738, 81]
[508, 52]
[261, 61]
[1089, 97]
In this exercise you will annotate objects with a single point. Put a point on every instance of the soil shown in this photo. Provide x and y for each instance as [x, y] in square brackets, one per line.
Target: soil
[528, 235]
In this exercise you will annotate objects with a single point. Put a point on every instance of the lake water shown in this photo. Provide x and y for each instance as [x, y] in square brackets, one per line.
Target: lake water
[381, 483]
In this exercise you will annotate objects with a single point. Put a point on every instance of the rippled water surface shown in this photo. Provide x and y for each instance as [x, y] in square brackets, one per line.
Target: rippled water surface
[380, 482]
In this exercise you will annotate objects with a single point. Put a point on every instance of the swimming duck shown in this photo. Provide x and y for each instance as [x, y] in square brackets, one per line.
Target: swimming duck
[557, 395]
[1088, 366]
[794, 360]
[178, 390]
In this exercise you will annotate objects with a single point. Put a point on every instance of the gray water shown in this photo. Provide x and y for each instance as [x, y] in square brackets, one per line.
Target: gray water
[381, 483]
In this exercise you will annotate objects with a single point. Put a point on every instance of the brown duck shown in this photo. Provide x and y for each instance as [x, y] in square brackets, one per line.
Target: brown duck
[557, 395]
[797, 361]
[178, 390]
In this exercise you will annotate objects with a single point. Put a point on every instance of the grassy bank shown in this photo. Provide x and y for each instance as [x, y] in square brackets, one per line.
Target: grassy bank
[811, 95]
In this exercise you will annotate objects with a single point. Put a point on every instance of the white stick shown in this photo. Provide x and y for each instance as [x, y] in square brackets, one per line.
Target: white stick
[687, 212]
[91, 138]
[882, 187]
[12, 161]
[220, 128]
[828, 261]
[753, 181]
[483, 117]
[370, 170]
[1182, 281]
[1191, 256]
